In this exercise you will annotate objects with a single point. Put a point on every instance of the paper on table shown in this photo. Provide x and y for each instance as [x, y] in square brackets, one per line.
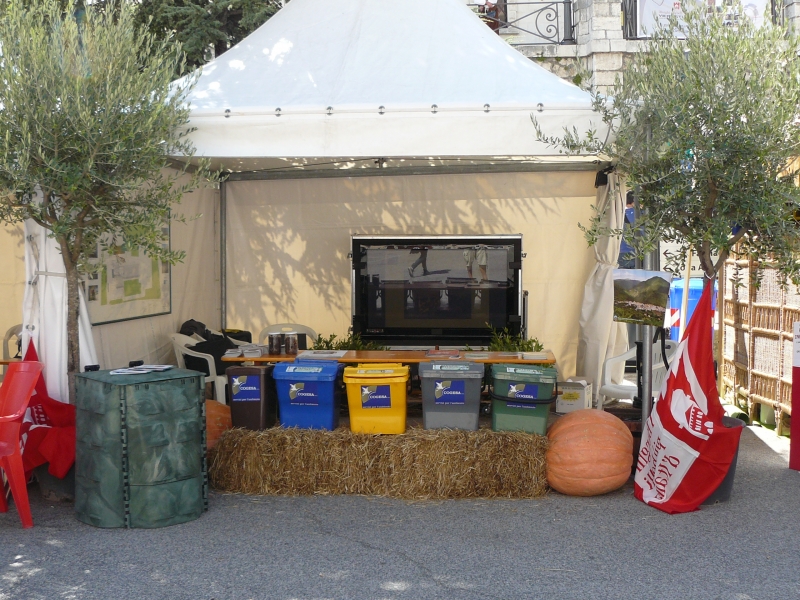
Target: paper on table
[322, 354]
[543, 355]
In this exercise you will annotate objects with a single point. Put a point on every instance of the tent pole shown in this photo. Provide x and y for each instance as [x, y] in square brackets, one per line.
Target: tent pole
[685, 298]
[223, 252]
[650, 263]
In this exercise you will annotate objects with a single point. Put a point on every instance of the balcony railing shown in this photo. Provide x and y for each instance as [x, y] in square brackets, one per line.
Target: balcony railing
[529, 23]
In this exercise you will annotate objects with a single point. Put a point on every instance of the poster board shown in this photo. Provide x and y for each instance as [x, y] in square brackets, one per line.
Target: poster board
[127, 284]
[651, 12]
[641, 296]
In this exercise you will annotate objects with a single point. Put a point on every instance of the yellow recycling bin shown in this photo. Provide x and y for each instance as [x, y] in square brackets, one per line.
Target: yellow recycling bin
[376, 397]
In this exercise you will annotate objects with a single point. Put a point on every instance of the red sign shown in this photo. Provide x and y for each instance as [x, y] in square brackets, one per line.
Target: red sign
[794, 440]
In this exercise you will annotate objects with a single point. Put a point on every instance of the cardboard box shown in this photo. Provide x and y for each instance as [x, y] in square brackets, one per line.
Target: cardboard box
[574, 394]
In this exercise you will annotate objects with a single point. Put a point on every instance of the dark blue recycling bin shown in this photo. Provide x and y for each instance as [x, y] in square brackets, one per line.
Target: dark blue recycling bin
[676, 297]
[309, 393]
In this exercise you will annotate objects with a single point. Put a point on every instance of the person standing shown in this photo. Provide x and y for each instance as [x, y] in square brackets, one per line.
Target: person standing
[626, 258]
[421, 260]
[476, 254]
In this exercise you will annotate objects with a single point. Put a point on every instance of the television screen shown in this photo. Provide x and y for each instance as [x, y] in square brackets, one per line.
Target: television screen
[447, 290]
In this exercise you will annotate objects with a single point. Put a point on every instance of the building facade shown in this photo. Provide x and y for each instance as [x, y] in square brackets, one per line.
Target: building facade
[576, 39]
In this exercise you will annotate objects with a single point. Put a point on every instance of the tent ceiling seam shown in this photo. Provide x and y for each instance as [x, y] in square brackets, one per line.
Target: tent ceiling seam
[404, 171]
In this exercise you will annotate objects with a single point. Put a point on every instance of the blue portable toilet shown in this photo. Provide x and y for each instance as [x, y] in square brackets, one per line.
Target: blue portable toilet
[676, 297]
[309, 393]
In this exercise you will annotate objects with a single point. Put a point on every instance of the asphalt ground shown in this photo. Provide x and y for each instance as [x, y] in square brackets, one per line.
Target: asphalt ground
[376, 548]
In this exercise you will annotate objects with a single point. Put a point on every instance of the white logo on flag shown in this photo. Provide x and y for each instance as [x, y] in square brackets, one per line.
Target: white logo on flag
[689, 416]
[689, 407]
[663, 462]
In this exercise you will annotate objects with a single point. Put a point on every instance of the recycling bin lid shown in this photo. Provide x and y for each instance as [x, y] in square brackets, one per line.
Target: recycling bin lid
[533, 373]
[307, 370]
[376, 371]
[150, 377]
[460, 370]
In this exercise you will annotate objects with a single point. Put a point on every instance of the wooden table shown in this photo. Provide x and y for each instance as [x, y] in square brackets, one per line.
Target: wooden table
[8, 361]
[402, 356]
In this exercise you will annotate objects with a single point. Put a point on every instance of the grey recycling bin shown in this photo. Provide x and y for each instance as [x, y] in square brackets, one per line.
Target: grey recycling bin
[451, 394]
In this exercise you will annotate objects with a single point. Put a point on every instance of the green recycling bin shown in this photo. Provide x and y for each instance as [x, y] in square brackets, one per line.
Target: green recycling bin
[522, 396]
[140, 448]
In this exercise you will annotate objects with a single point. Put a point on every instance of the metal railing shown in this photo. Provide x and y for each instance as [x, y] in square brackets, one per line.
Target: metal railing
[529, 23]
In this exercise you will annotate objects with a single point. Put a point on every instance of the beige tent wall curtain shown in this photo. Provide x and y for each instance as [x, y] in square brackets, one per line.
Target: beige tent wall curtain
[44, 310]
[12, 276]
[195, 290]
[600, 336]
[195, 287]
[288, 240]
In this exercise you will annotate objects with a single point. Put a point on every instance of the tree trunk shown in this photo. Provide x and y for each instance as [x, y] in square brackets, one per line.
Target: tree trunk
[73, 310]
[706, 263]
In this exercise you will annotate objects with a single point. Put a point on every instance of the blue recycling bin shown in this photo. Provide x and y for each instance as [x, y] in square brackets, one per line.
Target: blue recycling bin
[676, 297]
[309, 393]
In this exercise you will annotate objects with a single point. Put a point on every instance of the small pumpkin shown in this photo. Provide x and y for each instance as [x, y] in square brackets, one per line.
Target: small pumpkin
[590, 453]
[218, 421]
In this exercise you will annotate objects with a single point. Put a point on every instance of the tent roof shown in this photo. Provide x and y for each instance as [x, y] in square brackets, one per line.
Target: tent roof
[378, 78]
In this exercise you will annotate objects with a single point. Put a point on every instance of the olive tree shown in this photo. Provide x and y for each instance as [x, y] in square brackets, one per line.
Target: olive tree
[704, 125]
[88, 120]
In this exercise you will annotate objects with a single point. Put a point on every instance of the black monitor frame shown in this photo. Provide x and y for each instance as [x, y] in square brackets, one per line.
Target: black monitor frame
[434, 335]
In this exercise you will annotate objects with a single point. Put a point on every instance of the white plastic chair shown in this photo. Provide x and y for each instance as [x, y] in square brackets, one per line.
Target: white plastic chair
[179, 343]
[628, 389]
[311, 335]
[13, 332]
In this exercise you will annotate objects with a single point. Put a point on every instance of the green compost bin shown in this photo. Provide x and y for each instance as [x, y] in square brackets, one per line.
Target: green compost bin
[140, 448]
[522, 396]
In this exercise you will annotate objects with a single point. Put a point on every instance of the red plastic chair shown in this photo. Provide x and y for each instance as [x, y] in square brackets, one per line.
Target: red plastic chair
[15, 394]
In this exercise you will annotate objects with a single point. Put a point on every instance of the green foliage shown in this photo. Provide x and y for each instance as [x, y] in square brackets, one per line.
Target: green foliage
[706, 129]
[351, 342]
[89, 120]
[202, 25]
[505, 341]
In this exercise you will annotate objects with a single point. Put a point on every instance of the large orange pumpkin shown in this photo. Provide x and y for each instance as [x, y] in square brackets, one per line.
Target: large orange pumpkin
[218, 420]
[590, 453]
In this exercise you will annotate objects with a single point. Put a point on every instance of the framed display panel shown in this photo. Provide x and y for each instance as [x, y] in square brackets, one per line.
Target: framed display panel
[127, 284]
[432, 290]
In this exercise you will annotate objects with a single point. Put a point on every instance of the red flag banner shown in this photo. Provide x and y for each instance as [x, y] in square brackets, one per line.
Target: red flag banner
[48, 430]
[686, 451]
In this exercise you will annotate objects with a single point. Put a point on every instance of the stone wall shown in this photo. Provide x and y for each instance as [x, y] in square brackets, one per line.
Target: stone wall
[601, 51]
[791, 14]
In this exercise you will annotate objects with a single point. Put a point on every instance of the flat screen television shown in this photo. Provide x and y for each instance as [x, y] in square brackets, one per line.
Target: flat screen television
[437, 290]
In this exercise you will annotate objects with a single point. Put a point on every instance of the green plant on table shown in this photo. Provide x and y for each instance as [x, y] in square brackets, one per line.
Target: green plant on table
[504, 341]
[353, 341]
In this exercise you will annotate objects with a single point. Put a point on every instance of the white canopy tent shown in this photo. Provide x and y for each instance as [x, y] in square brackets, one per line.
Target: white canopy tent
[378, 117]
[366, 78]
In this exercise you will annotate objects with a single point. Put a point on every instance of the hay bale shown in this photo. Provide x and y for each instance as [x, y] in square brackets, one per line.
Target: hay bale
[417, 465]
